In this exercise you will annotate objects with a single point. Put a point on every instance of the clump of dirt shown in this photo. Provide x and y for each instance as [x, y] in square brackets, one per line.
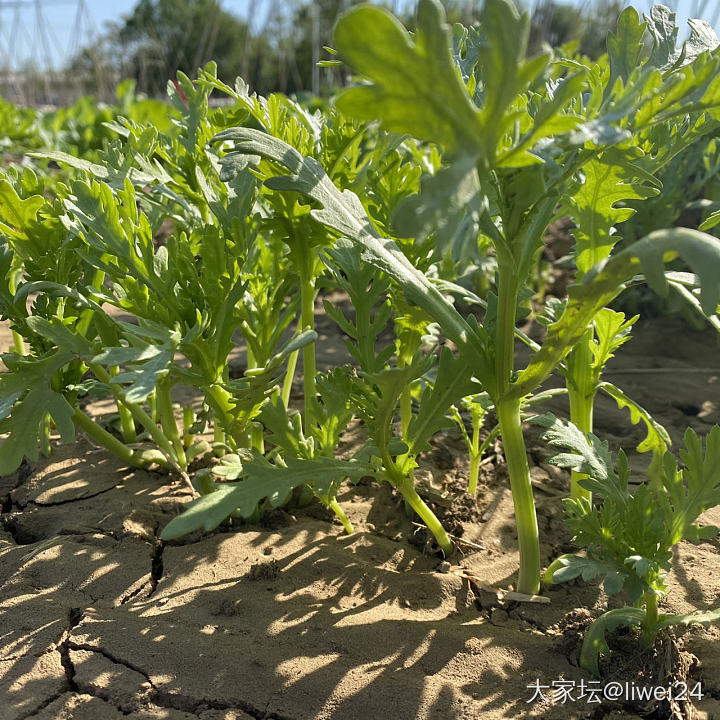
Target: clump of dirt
[666, 665]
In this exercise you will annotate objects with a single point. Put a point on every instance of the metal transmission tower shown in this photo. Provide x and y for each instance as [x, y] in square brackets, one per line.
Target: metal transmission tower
[32, 54]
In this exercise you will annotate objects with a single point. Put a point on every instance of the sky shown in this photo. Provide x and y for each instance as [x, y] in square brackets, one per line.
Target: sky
[65, 31]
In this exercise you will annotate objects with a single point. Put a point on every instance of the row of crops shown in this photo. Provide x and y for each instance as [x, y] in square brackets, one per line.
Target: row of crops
[423, 193]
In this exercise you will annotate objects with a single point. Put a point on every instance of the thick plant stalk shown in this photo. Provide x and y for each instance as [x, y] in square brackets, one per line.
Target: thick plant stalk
[510, 420]
[650, 623]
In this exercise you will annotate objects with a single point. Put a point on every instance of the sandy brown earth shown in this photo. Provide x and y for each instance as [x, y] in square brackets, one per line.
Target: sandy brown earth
[292, 620]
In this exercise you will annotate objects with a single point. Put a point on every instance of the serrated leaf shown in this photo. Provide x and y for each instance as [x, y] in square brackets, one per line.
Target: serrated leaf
[415, 87]
[701, 489]
[604, 282]
[588, 455]
[593, 208]
[26, 397]
[625, 47]
[344, 213]
[657, 439]
[453, 382]
[446, 199]
[263, 481]
[17, 215]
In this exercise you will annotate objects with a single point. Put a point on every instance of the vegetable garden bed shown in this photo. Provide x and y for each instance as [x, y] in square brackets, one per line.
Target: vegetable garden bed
[228, 335]
[293, 619]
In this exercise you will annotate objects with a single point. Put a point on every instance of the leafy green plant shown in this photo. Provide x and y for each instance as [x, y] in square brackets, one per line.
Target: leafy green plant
[514, 152]
[628, 538]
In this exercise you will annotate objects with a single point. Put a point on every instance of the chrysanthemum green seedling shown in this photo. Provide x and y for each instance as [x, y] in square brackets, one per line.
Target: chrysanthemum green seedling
[629, 537]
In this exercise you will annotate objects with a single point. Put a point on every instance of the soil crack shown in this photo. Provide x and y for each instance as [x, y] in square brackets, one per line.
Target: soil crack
[112, 658]
[69, 500]
[175, 701]
[170, 700]
[157, 567]
[75, 616]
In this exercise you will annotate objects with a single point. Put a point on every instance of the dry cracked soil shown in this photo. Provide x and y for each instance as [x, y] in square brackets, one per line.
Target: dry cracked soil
[293, 620]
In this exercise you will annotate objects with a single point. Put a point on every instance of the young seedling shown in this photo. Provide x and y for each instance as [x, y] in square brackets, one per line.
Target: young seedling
[628, 538]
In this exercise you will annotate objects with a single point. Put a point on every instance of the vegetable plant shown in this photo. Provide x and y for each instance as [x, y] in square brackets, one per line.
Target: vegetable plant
[517, 137]
[628, 538]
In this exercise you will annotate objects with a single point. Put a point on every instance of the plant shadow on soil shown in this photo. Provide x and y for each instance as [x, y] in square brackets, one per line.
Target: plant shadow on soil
[294, 620]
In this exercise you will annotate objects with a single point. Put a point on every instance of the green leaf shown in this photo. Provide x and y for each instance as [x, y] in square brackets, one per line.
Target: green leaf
[701, 489]
[588, 455]
[286, 433]
[605, 281]
[446, 199]
[696, 618]
[453, 382]
[415, 87]
[662, 27]
[625, 47]
[26, 397]
[657, 439]
[593, 208]
[17, 215]
[333, 414]
[264, 481]
[343, 213]
[611, 331]
[711, 221]
[60, 335]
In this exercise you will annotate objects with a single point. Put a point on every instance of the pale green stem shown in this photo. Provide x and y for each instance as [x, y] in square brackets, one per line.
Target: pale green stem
[475, 454]
[152, 404]
[406, 487]
[581, 393]
[307, 320]
[45, 435]
[188, 420]
[250, 358]
[510, 422]
[18, 342]
[508, 413]
[257, 437]
[169, 425]
[139, 415]
[650, 623]
[105, 439]
[223, 400]
[335, 507]
[127, 424]
[289, 377]
[405, 409]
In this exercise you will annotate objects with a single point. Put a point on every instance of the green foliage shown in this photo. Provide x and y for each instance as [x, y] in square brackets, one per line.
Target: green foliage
[628, 539]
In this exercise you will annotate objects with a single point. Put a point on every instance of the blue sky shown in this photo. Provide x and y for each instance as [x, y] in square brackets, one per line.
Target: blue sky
[20, 39]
